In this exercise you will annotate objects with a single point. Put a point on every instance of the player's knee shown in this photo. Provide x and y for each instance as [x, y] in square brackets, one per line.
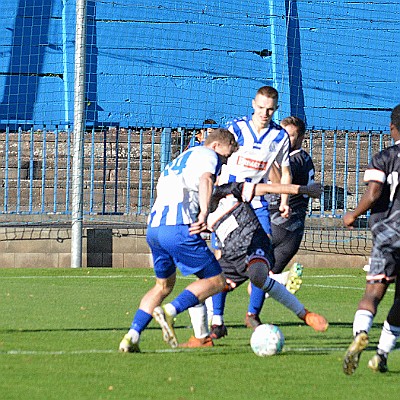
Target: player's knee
[258, 271]
[219, 282]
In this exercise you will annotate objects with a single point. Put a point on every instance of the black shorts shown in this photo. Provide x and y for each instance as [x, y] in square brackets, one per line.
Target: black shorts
[385, 254]
[234, 265]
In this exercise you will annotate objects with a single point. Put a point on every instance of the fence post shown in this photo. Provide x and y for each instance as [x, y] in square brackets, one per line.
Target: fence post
[165, 147]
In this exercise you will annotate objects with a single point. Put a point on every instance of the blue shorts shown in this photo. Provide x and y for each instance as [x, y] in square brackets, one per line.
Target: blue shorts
[173, 246]
[263, 216]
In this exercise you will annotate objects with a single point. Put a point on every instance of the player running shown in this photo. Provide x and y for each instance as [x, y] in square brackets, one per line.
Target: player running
[382, 197]
[184, 191]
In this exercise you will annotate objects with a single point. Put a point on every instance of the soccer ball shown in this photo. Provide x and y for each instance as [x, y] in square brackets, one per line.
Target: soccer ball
[267, 340]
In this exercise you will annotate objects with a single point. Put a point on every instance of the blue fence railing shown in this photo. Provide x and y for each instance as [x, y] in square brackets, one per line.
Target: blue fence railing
[121, 167]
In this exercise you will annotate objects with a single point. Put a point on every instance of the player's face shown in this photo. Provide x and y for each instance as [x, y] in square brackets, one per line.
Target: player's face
[264, 108]
[295, 139]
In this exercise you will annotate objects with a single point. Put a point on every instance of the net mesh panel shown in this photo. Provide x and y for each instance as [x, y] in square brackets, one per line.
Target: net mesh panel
[156, 72]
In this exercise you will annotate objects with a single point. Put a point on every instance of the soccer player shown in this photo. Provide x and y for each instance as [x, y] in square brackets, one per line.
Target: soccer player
[177, 217]
[382, 197]
[246, 251]
[262, 142]
[287, 233]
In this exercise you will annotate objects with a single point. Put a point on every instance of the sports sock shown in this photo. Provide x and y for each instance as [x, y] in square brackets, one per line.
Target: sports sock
[210, 309]
[140, 321]
[279, 292]
[256, 302]
[198, 316]
[184, 300]
[362, 321]
[388, 338]
[281, 278]
[218, 308]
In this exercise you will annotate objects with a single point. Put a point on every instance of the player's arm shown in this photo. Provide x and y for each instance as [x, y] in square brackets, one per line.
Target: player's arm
[373, 192]
[313, 189]
[285, 179]
[206, 185]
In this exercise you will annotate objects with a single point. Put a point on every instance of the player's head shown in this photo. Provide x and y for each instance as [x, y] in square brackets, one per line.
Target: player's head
[222, 142]
[296, 129]
[203, 133]
[395, 123]
[265, 103]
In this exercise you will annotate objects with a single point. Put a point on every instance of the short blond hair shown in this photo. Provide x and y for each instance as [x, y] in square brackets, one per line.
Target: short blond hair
[222, 136]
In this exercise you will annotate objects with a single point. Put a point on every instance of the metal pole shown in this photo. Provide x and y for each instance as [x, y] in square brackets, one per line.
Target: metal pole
[79, 127]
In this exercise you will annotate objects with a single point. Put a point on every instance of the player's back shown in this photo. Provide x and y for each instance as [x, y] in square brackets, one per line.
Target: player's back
[177, 199]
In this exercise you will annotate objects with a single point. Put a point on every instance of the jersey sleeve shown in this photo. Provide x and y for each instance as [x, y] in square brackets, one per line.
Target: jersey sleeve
[375, 171]
[283, 156]
[200, 161]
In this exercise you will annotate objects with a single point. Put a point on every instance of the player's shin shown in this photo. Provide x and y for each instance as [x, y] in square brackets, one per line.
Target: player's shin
[281, 294]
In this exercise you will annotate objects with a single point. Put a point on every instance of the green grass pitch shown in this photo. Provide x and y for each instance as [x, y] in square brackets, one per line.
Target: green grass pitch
[60, 330]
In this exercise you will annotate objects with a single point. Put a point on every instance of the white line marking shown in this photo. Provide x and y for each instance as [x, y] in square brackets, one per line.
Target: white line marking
[142, 277]
[178, 350]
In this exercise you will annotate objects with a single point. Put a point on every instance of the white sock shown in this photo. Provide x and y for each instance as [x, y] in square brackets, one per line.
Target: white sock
[170, 309]
[210, 310]
[217, 320]
[279, 292]
[198, 316]
[134, 335]
[362, 321]
[282, 278]
[389, 336]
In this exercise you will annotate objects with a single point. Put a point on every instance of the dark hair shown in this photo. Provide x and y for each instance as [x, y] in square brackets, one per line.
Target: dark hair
[297, 122]
[268, 91]
[395, 117]
[222, 136]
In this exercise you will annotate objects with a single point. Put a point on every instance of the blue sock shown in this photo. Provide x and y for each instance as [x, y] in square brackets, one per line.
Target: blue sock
[257, 298]
[219, 303]
[184, 301]
[141, 320]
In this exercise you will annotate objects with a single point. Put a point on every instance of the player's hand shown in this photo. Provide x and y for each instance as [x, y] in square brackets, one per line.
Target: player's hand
[285, 210]
[349, 219]
[200, 225]
[197, 227]
[314, 189]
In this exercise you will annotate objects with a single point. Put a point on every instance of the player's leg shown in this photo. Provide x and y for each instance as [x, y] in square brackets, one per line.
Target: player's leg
[201, 334]
[165, 271]
[285, 243]
[362, 323]
[192, 256]
[389, 334]
[257, 298]
[218, 328]
[233, 279]
[381, 273]
[286, 240]
[258, 272]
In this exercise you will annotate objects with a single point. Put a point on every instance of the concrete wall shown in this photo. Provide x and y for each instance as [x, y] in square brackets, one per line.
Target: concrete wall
[23, 247]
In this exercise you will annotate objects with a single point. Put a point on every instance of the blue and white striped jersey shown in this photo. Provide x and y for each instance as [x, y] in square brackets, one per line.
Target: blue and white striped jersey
[177, 200]
[257, 152]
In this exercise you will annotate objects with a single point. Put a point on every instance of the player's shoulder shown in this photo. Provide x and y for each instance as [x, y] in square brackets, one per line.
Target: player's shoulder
[238, 120]
[389, 155]
[300, 155]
